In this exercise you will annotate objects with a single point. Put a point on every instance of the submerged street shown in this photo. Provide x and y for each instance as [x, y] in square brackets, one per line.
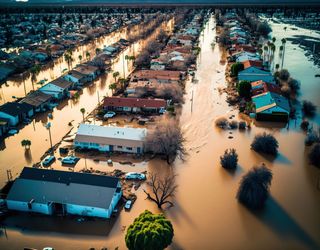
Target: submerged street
[206, 214]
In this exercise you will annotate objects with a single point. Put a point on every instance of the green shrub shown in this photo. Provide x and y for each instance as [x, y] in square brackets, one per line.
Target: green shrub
[149, 232]
[236, 68]
[244, 89]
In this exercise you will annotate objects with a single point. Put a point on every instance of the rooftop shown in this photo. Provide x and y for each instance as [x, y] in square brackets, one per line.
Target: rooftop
[63, 187]
[134, 102]
[135, 134]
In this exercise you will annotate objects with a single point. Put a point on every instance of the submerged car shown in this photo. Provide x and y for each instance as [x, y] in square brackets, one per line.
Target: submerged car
[135, 176]
[70, 160]
[109, 114]
[48, 160]
[128, 204]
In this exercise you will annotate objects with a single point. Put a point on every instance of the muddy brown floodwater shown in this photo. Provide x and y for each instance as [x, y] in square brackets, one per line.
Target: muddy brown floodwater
[206, 214]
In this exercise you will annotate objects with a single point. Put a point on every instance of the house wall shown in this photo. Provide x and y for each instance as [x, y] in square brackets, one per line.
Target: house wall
[107, 148]
[23, 206]
[13, 120]
[88, 211]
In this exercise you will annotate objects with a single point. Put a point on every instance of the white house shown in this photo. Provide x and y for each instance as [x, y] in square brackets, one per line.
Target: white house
[108, 138]
[58, 88]
[61, 192]
[75, 77]
[245, 56]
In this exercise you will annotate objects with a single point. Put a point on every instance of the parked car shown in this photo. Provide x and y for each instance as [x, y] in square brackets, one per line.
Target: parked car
[128, 204]
[109, 114]
[63, 150]
[70, 160]
[48, 160]
[12, 131]
[135, 176]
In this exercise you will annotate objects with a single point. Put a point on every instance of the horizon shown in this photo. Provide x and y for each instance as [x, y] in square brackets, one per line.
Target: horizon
[25, 3]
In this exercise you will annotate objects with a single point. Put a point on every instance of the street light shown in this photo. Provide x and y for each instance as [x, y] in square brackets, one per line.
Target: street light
[48, 126]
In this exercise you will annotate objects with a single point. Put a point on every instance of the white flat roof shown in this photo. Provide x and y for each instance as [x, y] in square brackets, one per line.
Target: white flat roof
[136, 134]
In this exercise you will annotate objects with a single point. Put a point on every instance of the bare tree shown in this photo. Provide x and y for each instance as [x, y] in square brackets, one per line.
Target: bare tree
[172, 92]
[166, 139]
[162, 189]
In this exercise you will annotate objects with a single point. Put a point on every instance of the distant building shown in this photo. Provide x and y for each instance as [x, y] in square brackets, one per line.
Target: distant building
[108, 138]
[60, 192]
[76, 77]
[135, 105]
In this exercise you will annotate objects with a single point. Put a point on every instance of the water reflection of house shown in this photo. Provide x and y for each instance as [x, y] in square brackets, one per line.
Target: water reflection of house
[58, 88]
[16, 112]
[60, 192]
[134, 105]
[4, 126]
[108, 138]
[38, 100]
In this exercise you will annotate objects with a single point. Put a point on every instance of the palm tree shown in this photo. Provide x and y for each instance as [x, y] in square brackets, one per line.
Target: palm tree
[69, 59]
[254, 187]
[122, 82]
[274, 39]
[283, 40]
[26, 144]
[82, 110]
[48, 51]
[80, 58]
[88, 55]
[265, 49]
[98, 50]
[115, 75]
[35, 70]
[113, 86]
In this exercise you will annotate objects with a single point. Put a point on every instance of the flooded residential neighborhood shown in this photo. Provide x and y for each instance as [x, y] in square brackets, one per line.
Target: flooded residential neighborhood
[182, 127]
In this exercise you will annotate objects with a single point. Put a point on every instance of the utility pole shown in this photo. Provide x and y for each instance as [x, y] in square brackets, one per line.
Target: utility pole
[48, 126]
[192, 101]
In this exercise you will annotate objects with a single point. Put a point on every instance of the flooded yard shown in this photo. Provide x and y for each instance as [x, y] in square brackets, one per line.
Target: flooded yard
[206, 214]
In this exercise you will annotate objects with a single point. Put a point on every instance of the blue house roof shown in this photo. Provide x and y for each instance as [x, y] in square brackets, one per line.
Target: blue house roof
[253, 74]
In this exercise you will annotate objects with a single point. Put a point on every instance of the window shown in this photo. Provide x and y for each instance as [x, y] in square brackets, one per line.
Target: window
[129, 148]
[119, 146]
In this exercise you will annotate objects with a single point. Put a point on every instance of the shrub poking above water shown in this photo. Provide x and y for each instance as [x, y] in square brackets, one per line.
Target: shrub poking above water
[308, 108]
[242, 125]
[265, 143]
[229, 160]
[222, 122]
[254, 187]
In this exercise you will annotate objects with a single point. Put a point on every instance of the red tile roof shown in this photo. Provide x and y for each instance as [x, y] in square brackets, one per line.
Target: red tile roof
[157, 74]
[249, 63]
[134, 102]
[260, 87]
